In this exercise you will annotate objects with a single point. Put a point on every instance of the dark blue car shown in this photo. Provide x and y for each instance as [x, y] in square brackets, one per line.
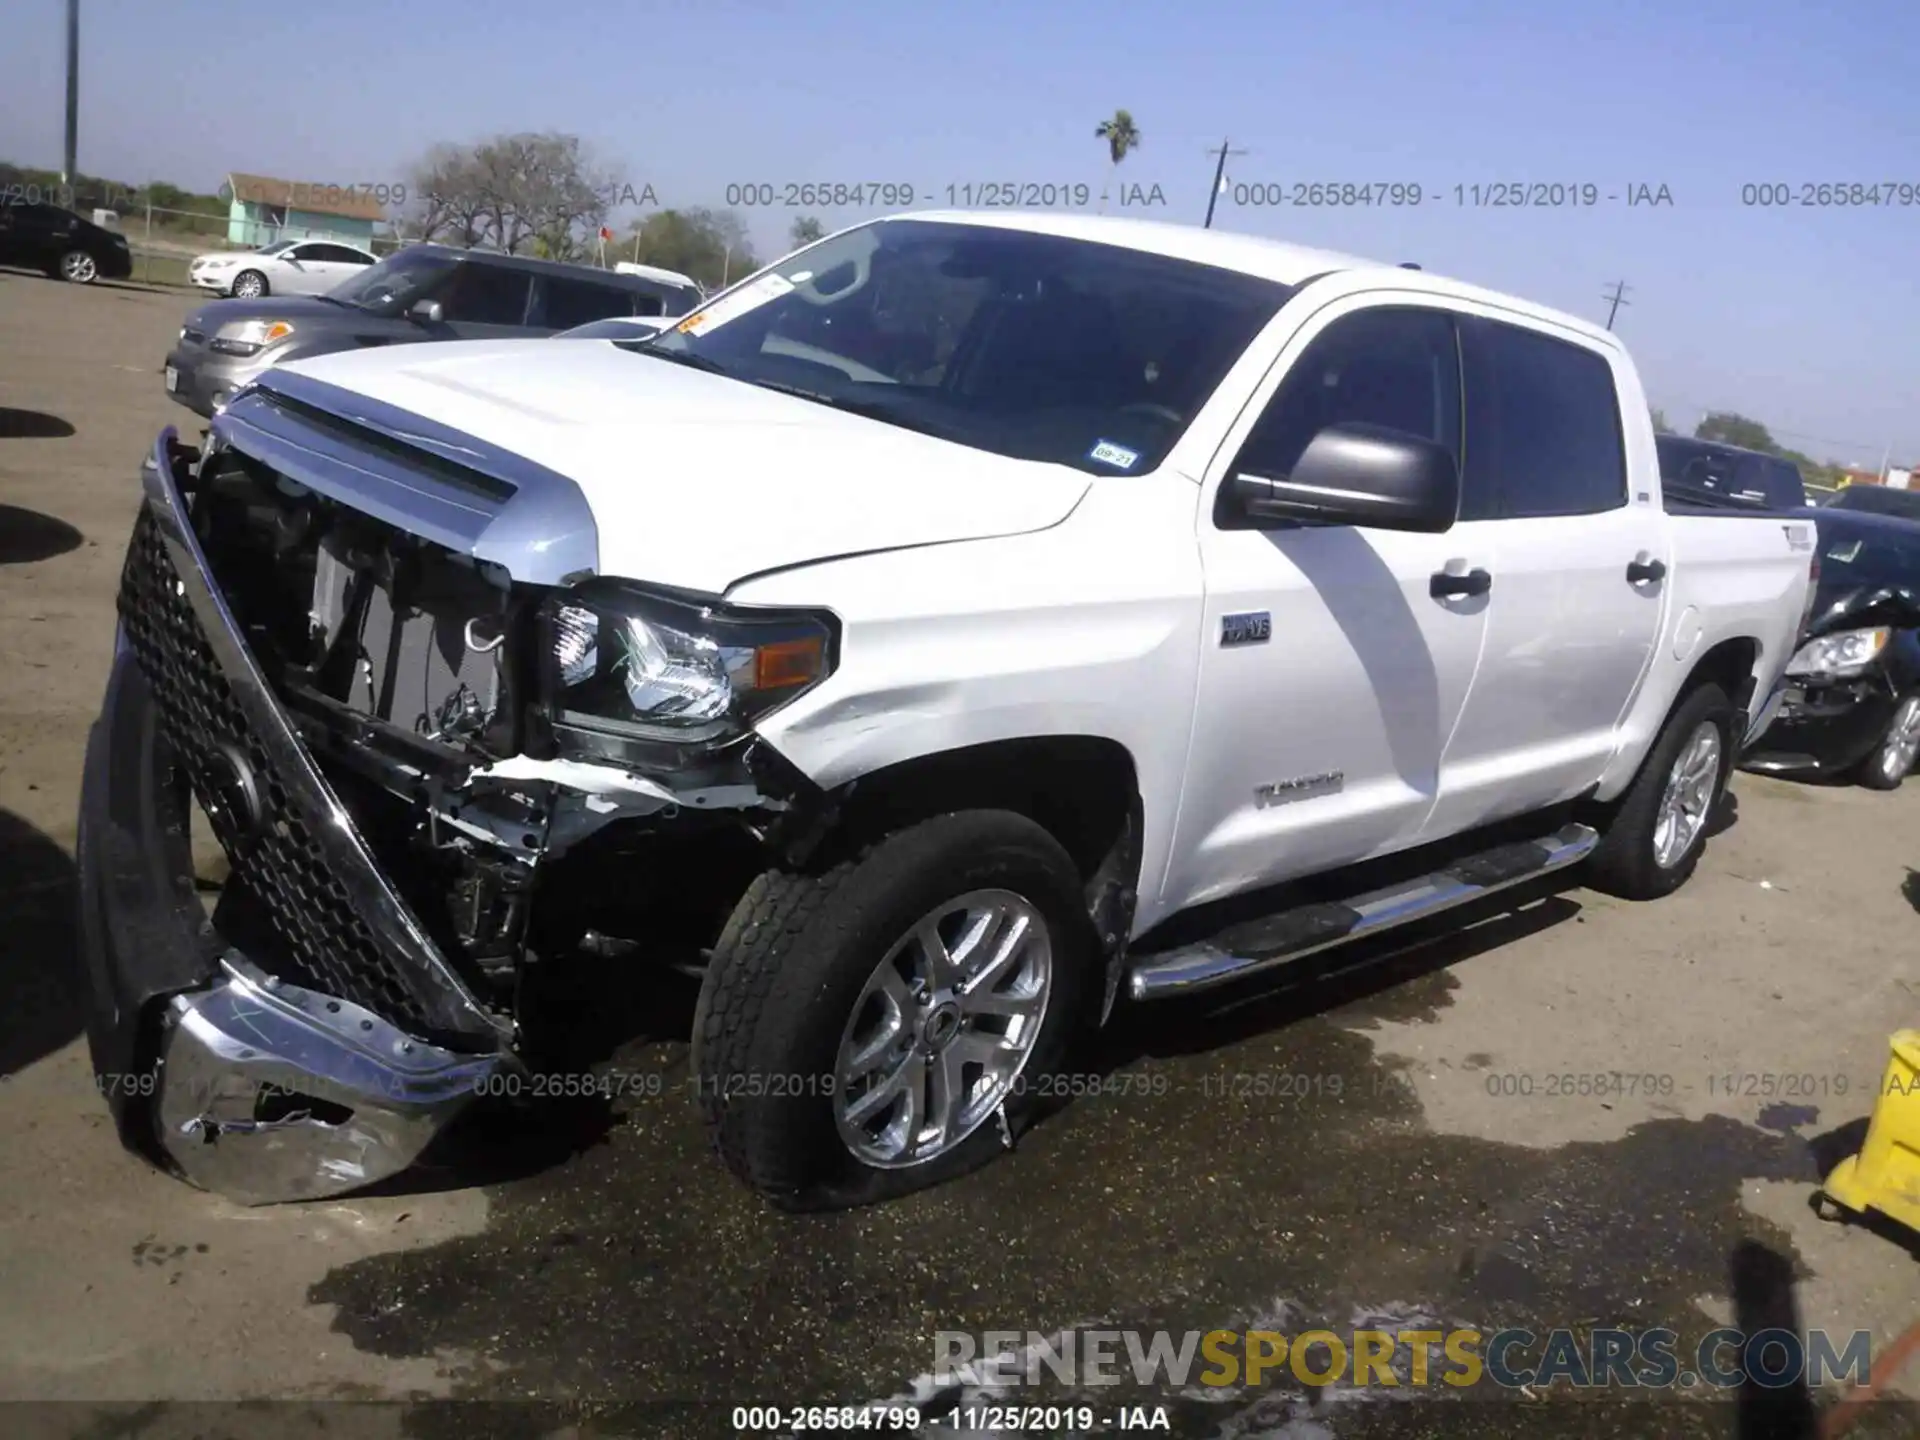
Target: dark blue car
[1852, 705]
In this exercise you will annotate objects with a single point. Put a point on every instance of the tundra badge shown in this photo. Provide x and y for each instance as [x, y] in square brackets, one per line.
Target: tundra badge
[1254, 627]
[1301, 787]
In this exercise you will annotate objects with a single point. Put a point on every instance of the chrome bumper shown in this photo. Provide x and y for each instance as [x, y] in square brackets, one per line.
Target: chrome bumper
[269, 1092]
[251, 1086]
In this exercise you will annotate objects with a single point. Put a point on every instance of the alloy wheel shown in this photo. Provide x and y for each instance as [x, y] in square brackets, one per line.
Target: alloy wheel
[1902, 745]
[943, 1029]
[1692, 784]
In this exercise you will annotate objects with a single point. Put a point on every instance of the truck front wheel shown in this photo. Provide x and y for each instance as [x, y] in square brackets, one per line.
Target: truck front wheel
[893, 1023]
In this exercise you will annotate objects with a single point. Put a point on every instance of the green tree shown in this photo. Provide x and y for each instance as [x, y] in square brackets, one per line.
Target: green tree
[1660, 425]
[709, 245]
[1122, 137]
[1731, 429]
[805, 231]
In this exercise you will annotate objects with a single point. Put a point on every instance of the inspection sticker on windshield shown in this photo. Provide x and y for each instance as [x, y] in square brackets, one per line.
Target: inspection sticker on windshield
[732, 307]
[1118, 456]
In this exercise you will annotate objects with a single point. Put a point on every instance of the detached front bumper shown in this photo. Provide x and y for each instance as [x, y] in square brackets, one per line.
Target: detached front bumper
[261, 1076]
[1824, 729]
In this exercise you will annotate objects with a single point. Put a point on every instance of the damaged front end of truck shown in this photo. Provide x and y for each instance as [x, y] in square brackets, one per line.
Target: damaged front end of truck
[438, 750]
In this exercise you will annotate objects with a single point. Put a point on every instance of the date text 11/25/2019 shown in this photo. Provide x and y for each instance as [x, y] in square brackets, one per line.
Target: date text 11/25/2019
[961, 195]
[1486, 195]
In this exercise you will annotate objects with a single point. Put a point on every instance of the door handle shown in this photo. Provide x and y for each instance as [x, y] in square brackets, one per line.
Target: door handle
[1443, 586]
[1645, 569]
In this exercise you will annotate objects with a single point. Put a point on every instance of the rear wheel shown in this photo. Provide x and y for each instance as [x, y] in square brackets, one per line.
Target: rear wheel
[1891, 761]
[1659, 827]
[77, 267]
[249, 285]
[890, 1025]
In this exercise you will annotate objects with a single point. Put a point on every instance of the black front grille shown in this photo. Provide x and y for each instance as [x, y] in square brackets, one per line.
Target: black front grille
[326, 945]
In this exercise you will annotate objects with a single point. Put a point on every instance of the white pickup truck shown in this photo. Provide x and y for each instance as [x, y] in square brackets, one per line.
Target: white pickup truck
[920, 639]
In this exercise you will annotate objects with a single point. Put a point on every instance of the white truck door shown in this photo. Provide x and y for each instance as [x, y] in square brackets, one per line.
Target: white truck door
[1335, 660]
[1579, 596]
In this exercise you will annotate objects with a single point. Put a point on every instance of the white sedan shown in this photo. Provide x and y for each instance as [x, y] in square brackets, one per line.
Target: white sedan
[286, 267]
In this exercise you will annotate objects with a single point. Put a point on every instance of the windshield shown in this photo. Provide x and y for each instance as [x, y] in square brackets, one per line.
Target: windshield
[1852, 556]
[1704, 473]
[396, 282]
[1032, 346]
[1877, 500]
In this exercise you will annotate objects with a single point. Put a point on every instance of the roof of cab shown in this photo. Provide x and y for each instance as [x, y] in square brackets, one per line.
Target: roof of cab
[1274, 260]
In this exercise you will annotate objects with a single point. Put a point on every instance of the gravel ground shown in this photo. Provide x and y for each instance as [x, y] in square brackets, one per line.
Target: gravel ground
[1385, 1139]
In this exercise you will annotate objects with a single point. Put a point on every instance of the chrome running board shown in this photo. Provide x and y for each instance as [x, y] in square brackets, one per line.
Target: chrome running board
[1253, 946]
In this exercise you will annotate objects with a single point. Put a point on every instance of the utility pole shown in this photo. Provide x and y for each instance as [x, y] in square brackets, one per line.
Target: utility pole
[1620, 288]
[1219, 178]
[73, 92]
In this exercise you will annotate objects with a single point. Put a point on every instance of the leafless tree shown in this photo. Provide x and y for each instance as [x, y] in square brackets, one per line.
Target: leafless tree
[523, 193]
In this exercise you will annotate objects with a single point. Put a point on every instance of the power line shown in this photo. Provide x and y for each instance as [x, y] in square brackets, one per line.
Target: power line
[1858, 447]
[1219, 180]
[1706, 410]
[1620, 288]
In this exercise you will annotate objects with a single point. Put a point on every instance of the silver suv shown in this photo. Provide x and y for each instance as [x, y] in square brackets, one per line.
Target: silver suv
[425, 292]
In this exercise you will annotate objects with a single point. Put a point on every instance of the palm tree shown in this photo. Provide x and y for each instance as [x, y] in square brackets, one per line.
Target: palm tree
[1122, 137]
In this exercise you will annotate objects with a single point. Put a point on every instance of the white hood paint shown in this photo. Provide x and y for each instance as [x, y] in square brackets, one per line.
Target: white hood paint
[699, 481]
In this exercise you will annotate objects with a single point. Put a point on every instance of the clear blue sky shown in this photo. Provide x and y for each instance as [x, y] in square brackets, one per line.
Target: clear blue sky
[1806, 319]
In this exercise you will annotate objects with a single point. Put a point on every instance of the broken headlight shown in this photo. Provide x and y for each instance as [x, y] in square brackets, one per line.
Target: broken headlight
[624, 663]
[1839, 656]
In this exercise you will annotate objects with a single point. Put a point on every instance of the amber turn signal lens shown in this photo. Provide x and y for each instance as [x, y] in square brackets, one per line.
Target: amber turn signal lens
[787, 662]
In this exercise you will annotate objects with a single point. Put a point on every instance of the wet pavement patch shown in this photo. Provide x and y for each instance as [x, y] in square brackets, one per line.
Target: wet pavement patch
[1251, 1159]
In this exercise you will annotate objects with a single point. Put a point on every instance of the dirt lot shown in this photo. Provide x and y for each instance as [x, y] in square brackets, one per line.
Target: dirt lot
[1383, 1140]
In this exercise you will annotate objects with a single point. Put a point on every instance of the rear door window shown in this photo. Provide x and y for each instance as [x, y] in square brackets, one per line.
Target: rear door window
[572, 302]
[1787, 491]
[1543, 423]
[486, 295]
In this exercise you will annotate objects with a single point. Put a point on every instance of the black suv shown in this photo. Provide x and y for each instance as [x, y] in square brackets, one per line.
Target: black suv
[46, 237]
[425, 292]
[1706, 472]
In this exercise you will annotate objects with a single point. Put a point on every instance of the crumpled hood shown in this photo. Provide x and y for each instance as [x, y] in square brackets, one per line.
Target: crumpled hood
[699, 481]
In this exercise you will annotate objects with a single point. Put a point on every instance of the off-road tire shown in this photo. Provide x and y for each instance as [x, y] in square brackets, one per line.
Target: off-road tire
[1624, 864]
[791, 964]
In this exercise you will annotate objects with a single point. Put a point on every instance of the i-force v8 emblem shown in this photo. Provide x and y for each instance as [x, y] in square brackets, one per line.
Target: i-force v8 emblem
[1254, 627]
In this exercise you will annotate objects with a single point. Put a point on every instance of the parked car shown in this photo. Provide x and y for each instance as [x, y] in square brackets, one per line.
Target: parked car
[1852, 704]
[1706, 472]
[1877, 500]
[639, 329]
[286, 267]
[1138, 631]
[682, 285]
[425, 292]
[620, 327]
[61, 243]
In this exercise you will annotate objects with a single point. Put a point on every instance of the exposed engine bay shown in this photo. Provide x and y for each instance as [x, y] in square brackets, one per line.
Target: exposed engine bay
[413, 675]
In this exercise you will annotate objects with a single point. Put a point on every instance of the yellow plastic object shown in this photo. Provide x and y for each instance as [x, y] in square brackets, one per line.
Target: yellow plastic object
[1885, 1175]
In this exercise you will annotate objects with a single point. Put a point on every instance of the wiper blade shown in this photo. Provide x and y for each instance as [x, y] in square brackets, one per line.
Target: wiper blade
[687, 358]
